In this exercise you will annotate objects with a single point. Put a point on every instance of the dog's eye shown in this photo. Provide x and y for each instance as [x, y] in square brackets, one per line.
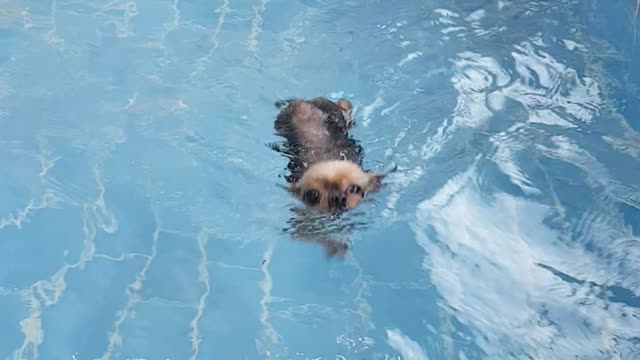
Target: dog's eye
[355, 189]
[311, 197]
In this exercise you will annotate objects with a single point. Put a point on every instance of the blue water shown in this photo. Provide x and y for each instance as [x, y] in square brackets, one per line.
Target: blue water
[141, 215]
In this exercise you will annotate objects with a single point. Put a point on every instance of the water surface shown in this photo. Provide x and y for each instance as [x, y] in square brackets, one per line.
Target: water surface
[142, 218]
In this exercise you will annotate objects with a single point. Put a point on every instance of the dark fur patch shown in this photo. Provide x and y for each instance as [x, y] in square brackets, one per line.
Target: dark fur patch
[340, 145]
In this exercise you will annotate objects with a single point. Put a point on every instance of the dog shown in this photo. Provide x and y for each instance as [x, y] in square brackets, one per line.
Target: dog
[324, 160]
[325, 165]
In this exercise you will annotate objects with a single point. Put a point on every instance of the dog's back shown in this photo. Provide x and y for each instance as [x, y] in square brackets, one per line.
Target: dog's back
[316, 130]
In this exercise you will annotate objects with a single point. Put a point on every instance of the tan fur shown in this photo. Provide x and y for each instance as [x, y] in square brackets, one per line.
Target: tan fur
[345, 105]
[339, 175]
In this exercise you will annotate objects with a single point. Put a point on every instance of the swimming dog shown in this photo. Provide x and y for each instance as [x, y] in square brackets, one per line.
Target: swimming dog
[324, 160]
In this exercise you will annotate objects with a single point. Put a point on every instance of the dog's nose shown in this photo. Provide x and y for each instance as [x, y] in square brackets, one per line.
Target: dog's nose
[337, 200]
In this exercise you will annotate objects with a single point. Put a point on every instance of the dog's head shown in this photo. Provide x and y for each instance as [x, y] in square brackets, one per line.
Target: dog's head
[335, 185]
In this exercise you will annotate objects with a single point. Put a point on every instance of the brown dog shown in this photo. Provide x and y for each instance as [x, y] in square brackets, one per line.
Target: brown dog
[325, 162]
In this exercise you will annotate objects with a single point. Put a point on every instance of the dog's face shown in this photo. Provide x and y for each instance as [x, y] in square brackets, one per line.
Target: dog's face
[335, 185]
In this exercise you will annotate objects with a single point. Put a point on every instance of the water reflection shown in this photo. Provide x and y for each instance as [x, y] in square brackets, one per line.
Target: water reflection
[508, 277]
[546, 268]
[332, 232]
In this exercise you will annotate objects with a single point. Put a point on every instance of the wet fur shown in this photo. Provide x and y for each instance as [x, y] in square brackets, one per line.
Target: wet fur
[315, 130]
[324, 158]
[322, 155]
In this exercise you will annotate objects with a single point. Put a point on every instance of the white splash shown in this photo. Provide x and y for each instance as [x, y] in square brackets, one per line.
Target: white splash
[368, 110]
[446, 13]
[476, 15]
[410, 57]
[572, 45]
[453, 29]
[388, 110]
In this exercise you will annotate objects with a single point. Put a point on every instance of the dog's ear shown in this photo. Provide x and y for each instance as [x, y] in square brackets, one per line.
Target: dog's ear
[294, 189]
[345, 105]
[375, 182]
[375, 179]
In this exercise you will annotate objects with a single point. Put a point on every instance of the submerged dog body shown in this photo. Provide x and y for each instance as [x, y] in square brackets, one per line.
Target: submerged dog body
[325, 162]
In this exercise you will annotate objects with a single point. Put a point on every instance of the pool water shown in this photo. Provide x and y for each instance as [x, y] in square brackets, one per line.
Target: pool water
[142, 213]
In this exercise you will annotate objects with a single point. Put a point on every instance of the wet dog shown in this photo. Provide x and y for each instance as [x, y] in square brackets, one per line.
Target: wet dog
[325, 162]
[325, 165]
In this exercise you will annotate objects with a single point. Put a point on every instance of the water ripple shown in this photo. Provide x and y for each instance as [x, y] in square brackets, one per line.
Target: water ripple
[139, 204]
[482, 264]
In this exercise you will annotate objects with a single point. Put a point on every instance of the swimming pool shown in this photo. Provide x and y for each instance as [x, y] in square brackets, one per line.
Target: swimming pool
[141, 216]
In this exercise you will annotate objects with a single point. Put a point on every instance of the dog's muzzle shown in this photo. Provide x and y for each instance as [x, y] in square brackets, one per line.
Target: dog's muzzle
[337, 200]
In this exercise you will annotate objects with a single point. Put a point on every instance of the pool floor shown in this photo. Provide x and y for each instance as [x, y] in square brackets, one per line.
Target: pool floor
[142, 214]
